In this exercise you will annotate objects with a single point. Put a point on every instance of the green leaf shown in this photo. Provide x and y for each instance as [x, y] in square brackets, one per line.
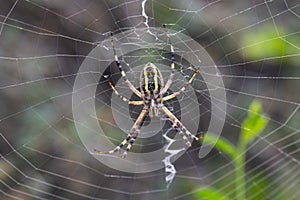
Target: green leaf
[264, 42]
[209, 193]
[255, 122]
[260, 188]
[221, 144]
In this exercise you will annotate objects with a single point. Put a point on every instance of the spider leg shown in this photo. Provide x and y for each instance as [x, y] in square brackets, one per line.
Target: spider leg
[170, 80]
[135, 103]
[131, 137]
[128, 83]
[180, 128]
[175, 94]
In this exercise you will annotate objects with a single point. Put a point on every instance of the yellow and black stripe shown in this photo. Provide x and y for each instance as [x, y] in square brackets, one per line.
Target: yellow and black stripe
[152, 82]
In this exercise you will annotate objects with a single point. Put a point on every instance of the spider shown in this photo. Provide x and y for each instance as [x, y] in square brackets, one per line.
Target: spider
[152, 90]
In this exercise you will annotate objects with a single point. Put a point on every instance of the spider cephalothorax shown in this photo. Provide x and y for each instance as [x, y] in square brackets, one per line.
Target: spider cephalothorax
[152, 91]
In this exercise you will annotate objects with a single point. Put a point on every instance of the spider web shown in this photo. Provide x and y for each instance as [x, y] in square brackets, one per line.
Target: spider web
[43, 45]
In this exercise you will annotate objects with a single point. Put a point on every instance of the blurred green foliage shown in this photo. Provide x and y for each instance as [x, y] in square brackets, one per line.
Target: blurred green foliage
[265, 42]
[251, 128]
[210, 193]
[268, 42]
[254, 123]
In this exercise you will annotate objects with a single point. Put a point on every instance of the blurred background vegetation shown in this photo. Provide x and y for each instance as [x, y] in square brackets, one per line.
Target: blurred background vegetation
[255, 44]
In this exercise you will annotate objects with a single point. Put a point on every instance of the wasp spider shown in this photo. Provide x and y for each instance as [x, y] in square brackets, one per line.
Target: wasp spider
[152, 90]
